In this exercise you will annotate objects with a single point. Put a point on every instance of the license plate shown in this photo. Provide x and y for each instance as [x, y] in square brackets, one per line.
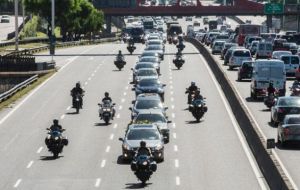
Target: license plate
[293, 111]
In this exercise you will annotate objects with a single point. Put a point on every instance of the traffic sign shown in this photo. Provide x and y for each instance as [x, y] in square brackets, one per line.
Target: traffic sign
[273, 8]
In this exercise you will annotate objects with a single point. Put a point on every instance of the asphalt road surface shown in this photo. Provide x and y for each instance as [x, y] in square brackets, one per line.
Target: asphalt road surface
[211, 154]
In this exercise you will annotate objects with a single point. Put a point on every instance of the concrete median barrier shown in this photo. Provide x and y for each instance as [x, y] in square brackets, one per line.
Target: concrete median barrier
[268, 164]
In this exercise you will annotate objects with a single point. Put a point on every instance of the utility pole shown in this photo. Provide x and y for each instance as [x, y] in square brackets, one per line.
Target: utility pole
[52, 35]
[16, 25]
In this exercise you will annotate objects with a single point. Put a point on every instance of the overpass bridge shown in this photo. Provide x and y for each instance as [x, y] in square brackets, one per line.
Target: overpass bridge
[135, 8]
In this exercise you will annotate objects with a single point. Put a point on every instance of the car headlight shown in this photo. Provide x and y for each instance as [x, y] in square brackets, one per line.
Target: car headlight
[158, 147]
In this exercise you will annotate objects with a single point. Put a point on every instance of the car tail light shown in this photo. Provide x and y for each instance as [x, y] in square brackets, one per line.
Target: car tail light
[286, 131]
[280, 110]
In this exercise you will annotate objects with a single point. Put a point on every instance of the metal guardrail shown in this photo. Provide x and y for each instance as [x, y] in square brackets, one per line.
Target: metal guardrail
[31, 51]
[18, 87]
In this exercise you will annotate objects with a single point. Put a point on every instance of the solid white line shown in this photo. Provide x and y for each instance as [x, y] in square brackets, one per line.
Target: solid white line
[39, 150]
[111, 137]
[63, 116]
[98, 182]
[17, 183]
[107, 149]
[120, 107]
[103, 163]
[176, 163]
[177, 181]
[175, 148]
[115, 125]
[68, 108]
[174, 135]
[174, 125]
[29, 164]
[237, 129]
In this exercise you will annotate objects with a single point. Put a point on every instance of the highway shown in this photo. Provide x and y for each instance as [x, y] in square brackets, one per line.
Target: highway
[211, 154]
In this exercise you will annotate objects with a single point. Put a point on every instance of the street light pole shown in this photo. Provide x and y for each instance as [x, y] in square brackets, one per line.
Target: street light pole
[16, 26]
[52, 27]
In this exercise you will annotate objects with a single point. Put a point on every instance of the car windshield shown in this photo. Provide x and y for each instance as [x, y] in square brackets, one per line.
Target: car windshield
[242, 53]
[148, 104]
[149, 54]
[148, 59]
[146, 134]
[289, 102]
[153, 118]
[148, 83]
[147, 72]
[295, 60]
[139, 66]
[294, 120]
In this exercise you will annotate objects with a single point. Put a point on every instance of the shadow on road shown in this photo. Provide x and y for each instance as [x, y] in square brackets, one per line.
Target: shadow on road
[193, 122]
[101, 124]
[121, 161]
[266, 110]
[136, 185]
[72, 113]
[244, 80]
[271, 124]
[49, 158]
[116, 70]
[249, 99]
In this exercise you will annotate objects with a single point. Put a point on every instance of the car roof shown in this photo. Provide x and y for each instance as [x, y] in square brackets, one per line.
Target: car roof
[151, 111]
[142, 126]
[147, 69]
[148, 96]
[288, 116]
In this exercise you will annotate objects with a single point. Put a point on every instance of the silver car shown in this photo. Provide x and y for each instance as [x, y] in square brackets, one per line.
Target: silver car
[147, 132]
[141, 65]
[158, 49]
[155, 116]
[152, 59]
[289, 129]
[238, 56]
[146, 74]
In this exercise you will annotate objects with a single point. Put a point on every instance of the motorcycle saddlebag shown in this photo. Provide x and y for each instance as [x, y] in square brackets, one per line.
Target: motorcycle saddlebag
[205, 109]
[153, 166]
[133, 166]
[65, 141]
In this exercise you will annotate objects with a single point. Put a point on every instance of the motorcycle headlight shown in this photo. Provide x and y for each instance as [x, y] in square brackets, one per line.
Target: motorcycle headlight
[126, 147]
[158, 147]
[56, 138]
[145, 163]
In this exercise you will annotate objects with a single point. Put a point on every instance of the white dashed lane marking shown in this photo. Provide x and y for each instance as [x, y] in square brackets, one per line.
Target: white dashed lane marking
[29, 164]
[68, 108]
[177, 181]
[98, 182]
[103, 163]
[176, 163]
[173, 115]
[172, 106]
[17, 183]
[174, 125]
[111, 137]
[175, 148]
[63, 116]
[39, 150]
[174, 135]
[115, 126]
[107, 149]
[120, 107]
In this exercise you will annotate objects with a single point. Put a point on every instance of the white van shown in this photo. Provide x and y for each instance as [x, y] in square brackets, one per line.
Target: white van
[291, 64]
[264, 72]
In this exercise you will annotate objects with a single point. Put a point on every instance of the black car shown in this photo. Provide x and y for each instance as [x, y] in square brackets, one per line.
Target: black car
[283, 106]
[245, 70]
[150, 86]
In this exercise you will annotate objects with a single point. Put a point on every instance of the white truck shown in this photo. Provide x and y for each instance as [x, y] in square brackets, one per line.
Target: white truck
[264, 72]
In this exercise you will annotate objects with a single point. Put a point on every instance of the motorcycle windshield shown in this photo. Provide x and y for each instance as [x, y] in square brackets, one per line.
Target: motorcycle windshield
[55, 133]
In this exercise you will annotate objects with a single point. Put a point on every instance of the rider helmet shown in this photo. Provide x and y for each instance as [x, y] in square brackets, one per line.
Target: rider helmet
[106, 94]
[78, 85]
[143, 144]
[55, 121]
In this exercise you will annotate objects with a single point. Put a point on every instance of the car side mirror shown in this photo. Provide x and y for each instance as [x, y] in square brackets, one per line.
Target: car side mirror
[164, 85]
[133, 88]
[169, 121]
[47, 129]
[130, 108]
[132, 69]
[114, 104]
[99, 104]
[166, 108]
[133, 101]
[121, 139]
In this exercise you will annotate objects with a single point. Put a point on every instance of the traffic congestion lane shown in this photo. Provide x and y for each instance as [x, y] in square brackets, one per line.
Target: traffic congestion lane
[51, 101]
[261, 114]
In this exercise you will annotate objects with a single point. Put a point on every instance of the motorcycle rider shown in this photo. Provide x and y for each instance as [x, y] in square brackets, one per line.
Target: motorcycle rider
[296, 82]
[120, 56]
[143, 150]
[130, 42]
[198, 95]
[77, 90]
[271, 89]
[107, 98]
[55, 126]
[192, 88]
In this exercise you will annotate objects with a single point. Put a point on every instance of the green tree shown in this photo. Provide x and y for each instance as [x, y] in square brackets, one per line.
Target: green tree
[75, 17]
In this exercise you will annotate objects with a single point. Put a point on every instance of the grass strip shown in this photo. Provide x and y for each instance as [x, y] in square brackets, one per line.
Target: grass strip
[23, 92]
